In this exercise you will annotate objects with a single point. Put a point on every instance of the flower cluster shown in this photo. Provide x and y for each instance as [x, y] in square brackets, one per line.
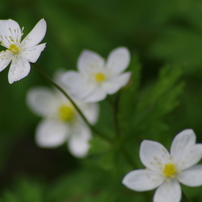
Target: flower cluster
[166, 170]
[64, 122]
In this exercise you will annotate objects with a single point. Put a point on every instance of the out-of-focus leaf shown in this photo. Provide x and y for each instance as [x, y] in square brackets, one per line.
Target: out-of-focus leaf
[129, 92]
[179, 45]
[79, 184]
[158, 100]
[98, 145]
[24, 191]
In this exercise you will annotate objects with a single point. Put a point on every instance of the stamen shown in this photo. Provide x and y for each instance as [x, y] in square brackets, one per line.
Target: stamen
[66, 113]
[100, 77]
[169, 170]
[13, 48]
[11, 38]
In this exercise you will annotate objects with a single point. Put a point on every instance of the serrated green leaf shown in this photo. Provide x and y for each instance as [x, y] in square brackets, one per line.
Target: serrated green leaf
[157, 101]
[129, 92]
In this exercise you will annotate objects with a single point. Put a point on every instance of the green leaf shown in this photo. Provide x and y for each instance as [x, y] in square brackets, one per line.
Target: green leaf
[107, 161]
[156, 101]
[100, 197]
[129, 92]
[24, 191]
[98, 145]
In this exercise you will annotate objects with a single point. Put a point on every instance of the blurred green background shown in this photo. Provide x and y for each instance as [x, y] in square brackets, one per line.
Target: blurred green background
[157, 32]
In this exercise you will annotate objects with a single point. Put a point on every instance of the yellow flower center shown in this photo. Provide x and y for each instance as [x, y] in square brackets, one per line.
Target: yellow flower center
[13, 48]
[66, 113]
[99, 77]
[169, 170]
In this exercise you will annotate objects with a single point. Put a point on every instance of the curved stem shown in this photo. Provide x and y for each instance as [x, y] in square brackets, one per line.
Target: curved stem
[114, 105]
[127, 156]
[72, 102]
[184, 198]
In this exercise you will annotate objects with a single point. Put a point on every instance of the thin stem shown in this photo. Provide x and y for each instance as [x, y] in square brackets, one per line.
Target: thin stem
[116, 111]
[72, 102]
[184, 198]
[114, 105]
[115, 108]
[127, 156]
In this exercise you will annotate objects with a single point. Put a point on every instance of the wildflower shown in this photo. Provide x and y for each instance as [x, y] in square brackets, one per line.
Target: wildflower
[166, 171]
[61, 121]
[97, 78]
[20, 53]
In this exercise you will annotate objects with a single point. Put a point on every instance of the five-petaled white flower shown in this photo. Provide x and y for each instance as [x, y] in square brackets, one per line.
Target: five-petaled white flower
[96, 78]
[20, 53]
[61, 121]
[166, 171]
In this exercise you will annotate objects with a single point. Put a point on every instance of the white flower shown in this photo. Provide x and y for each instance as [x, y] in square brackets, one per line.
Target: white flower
[61, 121]
[96, 78]
[166, 171]
[20, 53]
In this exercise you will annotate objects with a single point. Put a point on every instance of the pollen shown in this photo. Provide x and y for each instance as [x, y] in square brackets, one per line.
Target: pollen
[169, 170]
[100, 77]
[66, 113]
[13, 48]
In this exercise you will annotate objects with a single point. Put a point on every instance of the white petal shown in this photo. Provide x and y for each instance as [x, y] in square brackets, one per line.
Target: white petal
[57, 77]
[142, 180]
[118, 60]
[51, 133]
[190, 157]
[191, 177]
[5, 59]
[19, 69]
[184, 150]
[42, 101]
[98, 95]
[153, 155]
[77, 85]
[36, 35]
[32, 54]
[89, 60]
[10, 32]
[90, 111]
[113, 85]
[79, 142]
[183, 140]
[169, 191]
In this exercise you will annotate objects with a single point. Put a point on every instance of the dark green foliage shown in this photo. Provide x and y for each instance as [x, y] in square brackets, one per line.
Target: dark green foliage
[155, 104]
[24, 191]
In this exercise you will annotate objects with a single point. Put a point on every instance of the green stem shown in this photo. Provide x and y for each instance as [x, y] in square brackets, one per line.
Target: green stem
[114, 105]
[184, 198]
[116, 111]
[72, 102]
[115, 108]
[127, 156]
